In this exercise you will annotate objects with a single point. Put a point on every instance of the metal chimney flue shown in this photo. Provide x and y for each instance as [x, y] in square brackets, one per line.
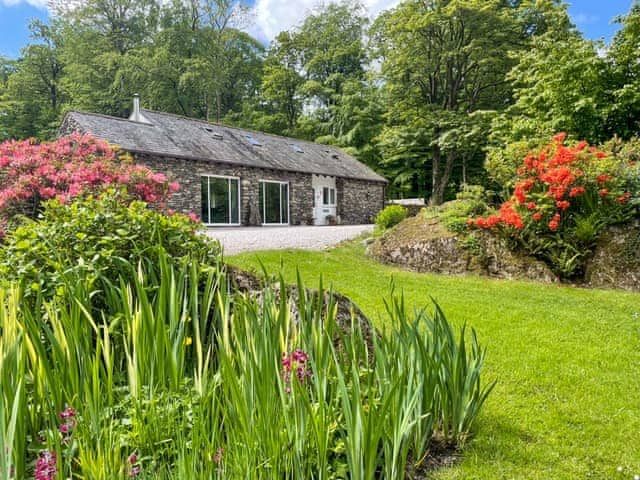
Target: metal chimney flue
[136, 114]
[136, 104]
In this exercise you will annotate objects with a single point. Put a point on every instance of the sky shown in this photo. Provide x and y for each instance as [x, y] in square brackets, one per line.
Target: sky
[592, 17]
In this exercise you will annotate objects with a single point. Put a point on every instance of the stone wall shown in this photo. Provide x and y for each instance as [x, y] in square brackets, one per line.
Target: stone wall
[187, 173]
[68, 126]
[425, 245]
[359, 201]
[616, 259]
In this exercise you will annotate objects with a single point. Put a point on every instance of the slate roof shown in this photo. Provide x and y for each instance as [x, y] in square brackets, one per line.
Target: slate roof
[176, 136]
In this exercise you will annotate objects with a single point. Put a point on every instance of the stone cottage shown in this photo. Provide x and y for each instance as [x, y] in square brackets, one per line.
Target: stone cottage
[232, 176]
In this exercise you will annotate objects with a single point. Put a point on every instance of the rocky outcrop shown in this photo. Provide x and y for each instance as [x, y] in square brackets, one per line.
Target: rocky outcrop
[425, 245]
[347, 312]
[616, 259]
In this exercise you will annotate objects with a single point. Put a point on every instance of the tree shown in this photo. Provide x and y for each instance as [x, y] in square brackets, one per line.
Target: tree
[357, 119]
[32, 97]
[306, 71]
[7, 67]
[442, 60]
[560, 84]
[623, 56]
[102, 38]
[222, 55]
[281, 82]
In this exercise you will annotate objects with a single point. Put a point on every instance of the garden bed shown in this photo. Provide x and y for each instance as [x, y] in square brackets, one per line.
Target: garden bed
[566, 360]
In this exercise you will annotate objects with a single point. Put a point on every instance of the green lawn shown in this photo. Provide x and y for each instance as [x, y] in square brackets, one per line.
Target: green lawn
[567, 361]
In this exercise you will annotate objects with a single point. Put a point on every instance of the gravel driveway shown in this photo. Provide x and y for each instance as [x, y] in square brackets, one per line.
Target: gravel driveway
[246, 239]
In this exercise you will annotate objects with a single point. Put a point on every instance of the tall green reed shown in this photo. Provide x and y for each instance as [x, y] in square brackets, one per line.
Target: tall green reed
[193, 376]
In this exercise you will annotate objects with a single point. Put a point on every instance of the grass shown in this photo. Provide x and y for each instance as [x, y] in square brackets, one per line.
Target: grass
[567, 401]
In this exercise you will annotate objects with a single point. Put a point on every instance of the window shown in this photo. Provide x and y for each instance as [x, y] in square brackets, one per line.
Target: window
[274, 202]
[253, 141]
[220, 199]
[328, 196]
[214, 134]
[296, 148]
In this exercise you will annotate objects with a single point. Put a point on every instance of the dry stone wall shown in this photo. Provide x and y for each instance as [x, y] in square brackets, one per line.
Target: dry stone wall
[424, 245]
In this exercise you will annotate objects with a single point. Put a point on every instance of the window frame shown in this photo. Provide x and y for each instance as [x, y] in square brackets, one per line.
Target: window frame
[229, 178]
[330, 192]
[261, 183]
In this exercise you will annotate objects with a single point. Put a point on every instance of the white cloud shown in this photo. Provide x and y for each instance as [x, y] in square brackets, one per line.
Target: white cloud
[582, 18]
[35, 3]
[273, 16]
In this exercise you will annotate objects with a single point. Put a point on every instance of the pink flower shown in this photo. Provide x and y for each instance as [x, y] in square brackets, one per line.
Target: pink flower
[135, 469]
[300, 356]
[46, 468]
[217, 458]
[67, 413]
[295, 361]
[159, 177]
[67, 427]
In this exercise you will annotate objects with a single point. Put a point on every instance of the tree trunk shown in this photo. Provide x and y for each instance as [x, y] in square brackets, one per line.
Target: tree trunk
[218, 106]
[435, 176]
[464, 170]
[441, 180]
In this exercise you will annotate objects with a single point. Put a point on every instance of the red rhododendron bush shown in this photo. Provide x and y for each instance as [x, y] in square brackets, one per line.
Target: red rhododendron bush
[66, 168]
[564, 196]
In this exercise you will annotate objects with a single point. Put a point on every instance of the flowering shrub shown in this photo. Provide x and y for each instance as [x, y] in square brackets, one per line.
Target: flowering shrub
[32, 172]
[562, 198]
[92, 237]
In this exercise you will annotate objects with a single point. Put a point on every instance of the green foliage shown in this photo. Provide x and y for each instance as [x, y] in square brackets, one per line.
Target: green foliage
[471, 201]
[564, 197]
[560, 84]
[390, 216]
[444, 64]
[96, 239]
[31, 92]
[502, 162]
[622, 53]
[587, 228]
[203, 383]
[564, 82]
[523, 430]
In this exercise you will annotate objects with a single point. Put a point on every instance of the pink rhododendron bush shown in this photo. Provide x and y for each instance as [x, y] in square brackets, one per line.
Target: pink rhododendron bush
[69, 167]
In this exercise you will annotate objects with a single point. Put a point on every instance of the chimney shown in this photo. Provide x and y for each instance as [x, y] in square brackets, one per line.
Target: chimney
[136, 115]
[136, 104]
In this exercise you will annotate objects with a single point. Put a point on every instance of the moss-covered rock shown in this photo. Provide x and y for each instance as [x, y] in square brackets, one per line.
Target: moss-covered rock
[616, 259]
[425, 245]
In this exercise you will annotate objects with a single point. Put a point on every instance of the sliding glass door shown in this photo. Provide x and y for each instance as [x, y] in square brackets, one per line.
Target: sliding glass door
[220, 200]
[274, 202]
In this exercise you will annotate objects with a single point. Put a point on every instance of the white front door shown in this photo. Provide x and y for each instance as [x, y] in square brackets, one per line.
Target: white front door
[325, 199]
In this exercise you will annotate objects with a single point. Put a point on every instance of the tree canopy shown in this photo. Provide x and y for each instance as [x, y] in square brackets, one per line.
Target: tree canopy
[421, 93]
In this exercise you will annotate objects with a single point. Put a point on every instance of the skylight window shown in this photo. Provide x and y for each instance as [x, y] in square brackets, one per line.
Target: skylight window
[296, 148]
[253, 141]
[214, 134]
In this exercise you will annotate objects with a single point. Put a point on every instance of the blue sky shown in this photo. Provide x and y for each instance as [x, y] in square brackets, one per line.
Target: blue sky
[593, 17]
